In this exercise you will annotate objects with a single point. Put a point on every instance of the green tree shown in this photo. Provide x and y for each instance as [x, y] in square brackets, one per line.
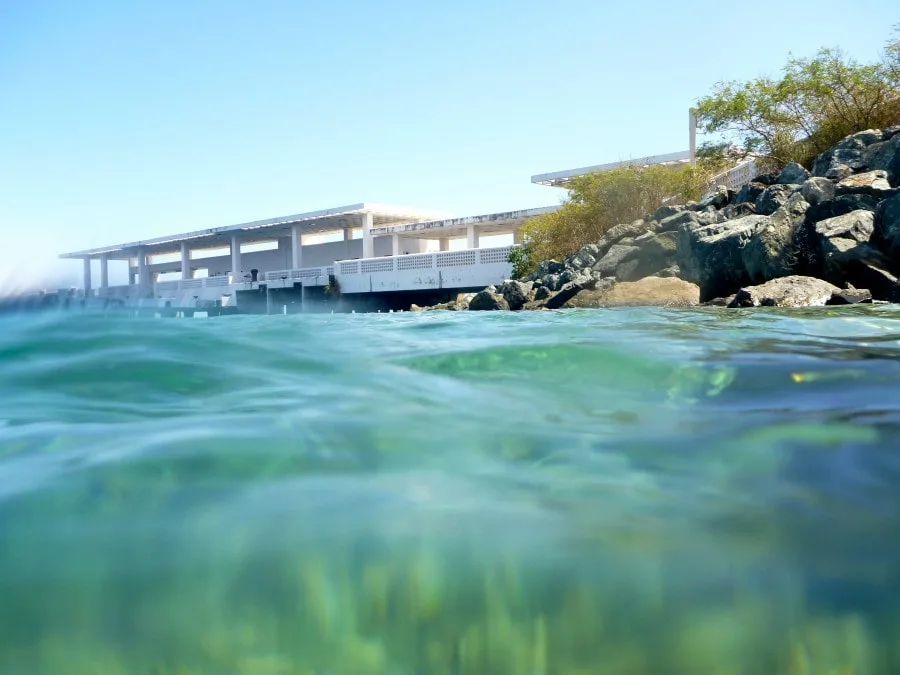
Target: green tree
[598, 201]
[814, 104]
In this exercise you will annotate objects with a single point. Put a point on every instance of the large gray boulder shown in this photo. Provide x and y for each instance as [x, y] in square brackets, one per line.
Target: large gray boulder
[614, 258]
[676, 221]
[792, 291]
[569, 290]
[841, 205]
[516, 293]
[656, 252]
[873, 183]
[647, 292]
[617, 233]
[774, 197]
[817, 190]
[712, 256]
[886, 156]
[793, 173]
[770, 253]
[748, 193]
[487, 300]
[856, 225]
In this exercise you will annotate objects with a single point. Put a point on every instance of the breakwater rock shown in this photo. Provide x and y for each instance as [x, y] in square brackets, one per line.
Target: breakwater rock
[827, 236]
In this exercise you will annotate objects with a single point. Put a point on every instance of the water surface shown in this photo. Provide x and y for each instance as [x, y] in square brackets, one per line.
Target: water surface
[580, 492]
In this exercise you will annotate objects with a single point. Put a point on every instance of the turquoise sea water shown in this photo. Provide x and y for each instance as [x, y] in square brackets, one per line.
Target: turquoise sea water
[621, 491]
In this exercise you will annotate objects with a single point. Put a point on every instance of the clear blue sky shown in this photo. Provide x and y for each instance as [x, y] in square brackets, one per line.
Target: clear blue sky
[126, 120]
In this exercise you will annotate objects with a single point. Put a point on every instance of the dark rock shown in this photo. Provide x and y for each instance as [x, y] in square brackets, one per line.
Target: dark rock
[839, 206]
[614, 258]
[850, 297]
[550, 267]
[848, 153]
[864, 274]
[770, 252]
[487, 300]
[711, 256]
[793, 173]
[672, 271]
[516, 293]
[674, 222]
[666, 211]
[792, 291]
[657, 251]
[774, 197]
[885, 156]
[719, 302]
[865, 138]
[887, 226]
[838, 172]
[568, 291]
[552, 282]
[542, 293]
[817, 190]
[649, 292]
[749, 193]
[616, 233]
[856, 225]
[718, 198]
[874, 183]
[710, 216]
[733, 211]
[766, 179]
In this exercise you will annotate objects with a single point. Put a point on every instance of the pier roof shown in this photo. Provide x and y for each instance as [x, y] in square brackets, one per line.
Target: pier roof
[491, 223]
[262, 230]
[563, 178]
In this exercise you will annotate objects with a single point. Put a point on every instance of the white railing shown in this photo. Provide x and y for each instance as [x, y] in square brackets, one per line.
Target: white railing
[738, 176]
[319, 275]
[425, 261]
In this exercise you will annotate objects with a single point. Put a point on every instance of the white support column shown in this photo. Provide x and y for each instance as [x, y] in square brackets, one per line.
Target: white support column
[692, 125]
[368, 240]
[296, 248]
[235, 260]
[444, 244]
[348, 234]
[87, 277]
[104, 272]
[132, 276]
[186, 271]
[471, 236]
[395, 244]
[143, 277]
[517, 236]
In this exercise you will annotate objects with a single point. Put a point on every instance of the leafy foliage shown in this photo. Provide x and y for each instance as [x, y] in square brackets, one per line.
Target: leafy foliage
[814, 104]
[598, 201]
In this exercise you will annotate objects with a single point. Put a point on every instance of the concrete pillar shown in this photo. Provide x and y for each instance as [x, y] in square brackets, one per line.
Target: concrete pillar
[518, 238]
[132, 276]
[296, 248]
[87, 277]
[186, 272]
[368, 240]
[348, 234]
[395, 244]
[104, 272]
[444, 244]
[236, 260]
[143, 277]
[471, 237]
[692, 134]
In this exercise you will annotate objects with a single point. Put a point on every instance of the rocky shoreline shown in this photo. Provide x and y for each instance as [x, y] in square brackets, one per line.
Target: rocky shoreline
[796, 239]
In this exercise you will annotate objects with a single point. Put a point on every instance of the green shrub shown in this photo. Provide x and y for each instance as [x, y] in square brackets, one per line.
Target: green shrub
[814, 104]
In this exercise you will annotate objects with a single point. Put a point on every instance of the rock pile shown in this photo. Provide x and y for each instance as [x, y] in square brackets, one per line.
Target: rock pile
[792, 239]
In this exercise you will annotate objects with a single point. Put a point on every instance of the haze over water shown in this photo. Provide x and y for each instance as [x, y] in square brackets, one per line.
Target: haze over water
[623, 491]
